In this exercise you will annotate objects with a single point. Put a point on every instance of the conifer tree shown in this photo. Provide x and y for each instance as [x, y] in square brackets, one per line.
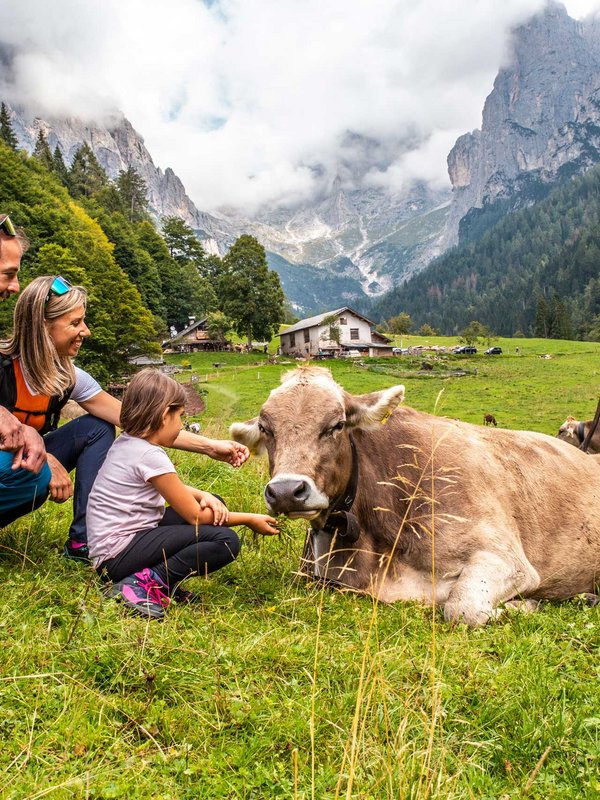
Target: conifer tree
[59, 167]
[132, 191]
[41, 151]
[86, 176]
[542, 314]
[7, 135]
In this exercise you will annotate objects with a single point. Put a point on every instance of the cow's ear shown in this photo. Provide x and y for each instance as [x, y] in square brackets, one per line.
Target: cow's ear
[249, 434]
[367, 410]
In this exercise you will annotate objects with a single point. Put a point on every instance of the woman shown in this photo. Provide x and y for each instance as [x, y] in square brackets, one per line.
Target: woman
[37, 377]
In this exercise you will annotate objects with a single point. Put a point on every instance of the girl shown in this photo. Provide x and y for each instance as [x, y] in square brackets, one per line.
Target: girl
[144, 550]
[37, 377]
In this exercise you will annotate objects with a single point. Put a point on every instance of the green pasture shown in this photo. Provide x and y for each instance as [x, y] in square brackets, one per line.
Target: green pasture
[274, 688]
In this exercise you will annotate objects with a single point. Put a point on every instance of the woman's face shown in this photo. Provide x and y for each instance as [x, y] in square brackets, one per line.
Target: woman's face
[68, 331]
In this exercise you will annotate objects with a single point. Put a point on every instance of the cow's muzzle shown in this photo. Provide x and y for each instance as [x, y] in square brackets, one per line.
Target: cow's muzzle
[296, 496]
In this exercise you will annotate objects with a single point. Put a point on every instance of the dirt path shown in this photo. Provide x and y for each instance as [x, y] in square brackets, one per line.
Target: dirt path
[194, 404]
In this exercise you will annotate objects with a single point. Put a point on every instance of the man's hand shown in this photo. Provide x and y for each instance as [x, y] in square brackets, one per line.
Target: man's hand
[61, 486]
[32, 455]
[232, 453]
[219, 509]
[11, 431]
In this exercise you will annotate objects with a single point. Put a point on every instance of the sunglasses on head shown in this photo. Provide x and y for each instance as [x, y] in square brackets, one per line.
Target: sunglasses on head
[6, 226]
[59, 286]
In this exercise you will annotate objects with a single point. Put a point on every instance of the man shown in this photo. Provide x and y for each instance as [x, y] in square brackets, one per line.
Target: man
[24, 473]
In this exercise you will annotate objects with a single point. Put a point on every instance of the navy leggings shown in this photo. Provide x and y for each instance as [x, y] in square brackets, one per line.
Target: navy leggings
[175, 550]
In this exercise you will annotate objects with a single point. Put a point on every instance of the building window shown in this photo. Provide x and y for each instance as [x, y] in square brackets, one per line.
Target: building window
[354, 334]
[292, 340]
[306, 336]
[343, 321]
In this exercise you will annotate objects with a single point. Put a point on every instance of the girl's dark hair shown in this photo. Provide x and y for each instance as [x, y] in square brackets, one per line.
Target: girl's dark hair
[146, 399]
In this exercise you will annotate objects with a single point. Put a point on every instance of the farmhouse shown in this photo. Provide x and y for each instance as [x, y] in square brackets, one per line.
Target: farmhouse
[335, 333]
[195, 337]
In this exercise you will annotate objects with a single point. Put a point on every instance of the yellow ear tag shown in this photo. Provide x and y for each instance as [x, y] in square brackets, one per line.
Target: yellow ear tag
[385, 417]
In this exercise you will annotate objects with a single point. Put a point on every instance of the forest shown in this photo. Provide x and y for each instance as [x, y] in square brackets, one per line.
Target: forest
[534, 273]
[142, 281]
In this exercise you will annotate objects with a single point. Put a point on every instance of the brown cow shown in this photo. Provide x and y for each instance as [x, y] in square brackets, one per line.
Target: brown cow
[574, 432]
[490, 419]
[442, 512]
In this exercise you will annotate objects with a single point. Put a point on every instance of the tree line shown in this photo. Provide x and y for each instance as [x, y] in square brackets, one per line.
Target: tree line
[534, 273]
[165, 274]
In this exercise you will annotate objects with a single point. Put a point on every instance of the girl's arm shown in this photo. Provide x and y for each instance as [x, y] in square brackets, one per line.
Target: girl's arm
[181, 498]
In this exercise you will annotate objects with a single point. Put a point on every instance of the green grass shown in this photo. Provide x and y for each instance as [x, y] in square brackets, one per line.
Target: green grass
[272, 687]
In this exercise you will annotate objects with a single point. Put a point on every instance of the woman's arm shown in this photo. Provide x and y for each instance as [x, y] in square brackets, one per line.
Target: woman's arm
[104, 406]
[108, 408]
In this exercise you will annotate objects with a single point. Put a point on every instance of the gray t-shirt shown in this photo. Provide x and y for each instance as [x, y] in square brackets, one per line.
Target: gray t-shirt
[86, 387]
[122, 501]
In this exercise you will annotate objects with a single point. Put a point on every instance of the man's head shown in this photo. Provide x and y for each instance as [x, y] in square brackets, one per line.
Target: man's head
[13, 243]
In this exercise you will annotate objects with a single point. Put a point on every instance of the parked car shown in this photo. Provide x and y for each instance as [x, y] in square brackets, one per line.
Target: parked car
[493, 351]
[467, 349]
[352, 354]
[399, 351]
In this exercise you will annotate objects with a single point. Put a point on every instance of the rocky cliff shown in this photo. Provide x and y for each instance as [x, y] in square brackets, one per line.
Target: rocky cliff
[540, 122]
[118, 146]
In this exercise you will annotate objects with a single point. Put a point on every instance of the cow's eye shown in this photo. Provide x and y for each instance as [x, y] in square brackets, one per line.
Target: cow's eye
[264, 430]
[334, 429]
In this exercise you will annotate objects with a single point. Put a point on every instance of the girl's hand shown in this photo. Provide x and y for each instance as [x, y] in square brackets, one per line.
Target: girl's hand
[61, 486]
[261, 523]
[219, 509]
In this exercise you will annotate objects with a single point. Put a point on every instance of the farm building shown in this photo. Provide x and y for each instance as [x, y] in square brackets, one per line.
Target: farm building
[195, 337]
[335, 333]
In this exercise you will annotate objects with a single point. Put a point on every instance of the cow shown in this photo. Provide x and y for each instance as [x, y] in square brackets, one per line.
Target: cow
[404, 505]
[574, 432]
[490, 419]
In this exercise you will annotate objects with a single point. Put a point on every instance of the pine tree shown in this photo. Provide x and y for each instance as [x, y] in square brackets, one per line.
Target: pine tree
[541, 327]
[7, 135]
[86, 176]
[59, 167]
[41, 151]
[133, 192]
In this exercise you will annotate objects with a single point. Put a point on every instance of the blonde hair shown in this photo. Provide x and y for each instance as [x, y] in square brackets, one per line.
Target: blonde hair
[44, 369]
[149, 394]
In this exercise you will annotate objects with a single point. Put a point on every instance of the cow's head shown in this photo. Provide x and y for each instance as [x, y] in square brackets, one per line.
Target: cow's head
[569, 430]
[304, 427]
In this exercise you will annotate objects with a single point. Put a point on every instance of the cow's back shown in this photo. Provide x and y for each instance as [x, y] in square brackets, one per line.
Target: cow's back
[476, 487]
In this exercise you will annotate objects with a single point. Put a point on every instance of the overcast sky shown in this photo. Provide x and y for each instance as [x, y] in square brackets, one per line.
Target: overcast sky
[253, 101]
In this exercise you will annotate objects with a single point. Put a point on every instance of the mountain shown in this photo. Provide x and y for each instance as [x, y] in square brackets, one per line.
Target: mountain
[118, 146]
[370, 236]
[546, 255]
[540, 124]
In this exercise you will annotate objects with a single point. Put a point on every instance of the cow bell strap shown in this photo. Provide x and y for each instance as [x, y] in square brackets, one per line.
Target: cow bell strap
[340, 520]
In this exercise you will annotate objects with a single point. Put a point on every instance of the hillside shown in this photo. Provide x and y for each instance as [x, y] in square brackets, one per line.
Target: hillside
[552, 248]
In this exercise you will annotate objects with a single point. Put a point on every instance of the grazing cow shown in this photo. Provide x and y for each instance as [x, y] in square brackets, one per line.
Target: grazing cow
[489, 419]
[574, 432]
[424, 508]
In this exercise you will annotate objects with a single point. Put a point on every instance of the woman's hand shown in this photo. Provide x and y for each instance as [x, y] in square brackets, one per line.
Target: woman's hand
[61, 486]
[261, 523]
[232, 453]
[219, 509]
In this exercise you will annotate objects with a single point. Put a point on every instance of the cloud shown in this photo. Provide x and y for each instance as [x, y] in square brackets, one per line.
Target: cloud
[266, 101]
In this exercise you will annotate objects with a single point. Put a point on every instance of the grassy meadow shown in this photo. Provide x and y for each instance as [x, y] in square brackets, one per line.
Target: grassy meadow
[272, 687]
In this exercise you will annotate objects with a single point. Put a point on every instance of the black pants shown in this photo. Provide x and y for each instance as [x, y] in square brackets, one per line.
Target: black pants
[175, 550]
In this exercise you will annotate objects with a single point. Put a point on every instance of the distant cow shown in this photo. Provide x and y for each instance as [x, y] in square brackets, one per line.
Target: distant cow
[574, 432]
[379, 496]
[193, 427]
[489, 419]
